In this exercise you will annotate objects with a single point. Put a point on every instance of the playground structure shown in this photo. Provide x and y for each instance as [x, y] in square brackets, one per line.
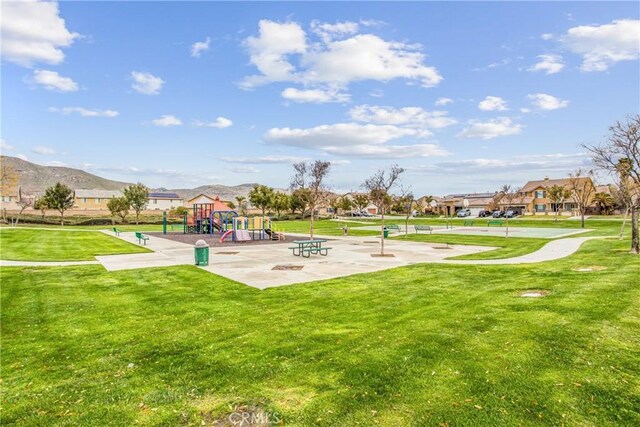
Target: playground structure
[206, 220]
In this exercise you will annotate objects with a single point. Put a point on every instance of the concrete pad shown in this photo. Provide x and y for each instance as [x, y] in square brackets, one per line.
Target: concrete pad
[532, 232]
[253, 265]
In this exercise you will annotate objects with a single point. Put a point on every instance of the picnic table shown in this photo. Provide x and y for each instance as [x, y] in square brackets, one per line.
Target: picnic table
[307, 247]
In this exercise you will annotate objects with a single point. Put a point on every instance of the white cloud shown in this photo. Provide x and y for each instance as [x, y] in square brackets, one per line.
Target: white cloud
[388, 151]
[549, 63]
[198, 47]
[502, 126]
[328, 32]
[601, 46]
[317, 96]
[356, 140]
[443, 101]
[410, 116]
[331, 63]
[546, 36]
[33, 31]
[44, 151]
[244, 169]
[55, 163]
[271, 159]
[547, 102]
[22, 157]
[269, 52]
[525, 110]
[167, 120]
[219, 122]
[4, 146]
[493, 103]
[51, 80]
[340, 134]
[84, 112]
[146, 83]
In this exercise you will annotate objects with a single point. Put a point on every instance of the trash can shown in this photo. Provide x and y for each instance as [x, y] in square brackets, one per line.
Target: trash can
[201, 252]
[386, 232]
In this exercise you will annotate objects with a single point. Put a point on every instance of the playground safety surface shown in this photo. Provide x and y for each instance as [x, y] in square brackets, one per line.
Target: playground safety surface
[214, 240]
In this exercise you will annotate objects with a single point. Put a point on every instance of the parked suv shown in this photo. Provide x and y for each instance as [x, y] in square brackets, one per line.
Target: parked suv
[463, 213]
[365, 213]
[498, 214]
[484, 214]
[511, 213]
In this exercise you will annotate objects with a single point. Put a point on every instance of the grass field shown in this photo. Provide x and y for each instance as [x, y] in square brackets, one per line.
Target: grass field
[419, 345]
[22, 244]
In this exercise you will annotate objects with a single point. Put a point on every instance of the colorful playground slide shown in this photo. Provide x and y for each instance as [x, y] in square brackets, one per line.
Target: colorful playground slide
[224, 236]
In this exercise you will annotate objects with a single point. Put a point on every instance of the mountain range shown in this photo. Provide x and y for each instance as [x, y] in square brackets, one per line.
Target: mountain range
[34, 179]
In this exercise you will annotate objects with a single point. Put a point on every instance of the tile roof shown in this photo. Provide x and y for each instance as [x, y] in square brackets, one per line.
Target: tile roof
[97, 194]
[164, 196]
[532, 185]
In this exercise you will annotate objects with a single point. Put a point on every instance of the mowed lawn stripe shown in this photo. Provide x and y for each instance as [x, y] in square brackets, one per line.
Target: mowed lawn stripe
[21, 244]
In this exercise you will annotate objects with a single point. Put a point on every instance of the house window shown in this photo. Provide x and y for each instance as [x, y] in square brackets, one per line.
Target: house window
[541, 208]
[541, 194]
[570, 206]
[98, 200]
[155, 201]
[84, 200]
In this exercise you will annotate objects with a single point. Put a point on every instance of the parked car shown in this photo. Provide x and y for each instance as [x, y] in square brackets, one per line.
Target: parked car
[511, 213]
[498, 214]
[464, 213]
[484, 214]
[354, 213]
[365, 213]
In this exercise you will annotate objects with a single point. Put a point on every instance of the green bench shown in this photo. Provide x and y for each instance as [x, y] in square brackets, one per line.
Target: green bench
[468, 223]
[141, 238]
[424, 228]
[393, 227]
[115, 230]
[498, 223]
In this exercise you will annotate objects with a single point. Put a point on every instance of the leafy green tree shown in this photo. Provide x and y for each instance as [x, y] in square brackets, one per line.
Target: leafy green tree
[242, 205]
[138, 197]
[280, 202]
[558, 194]
[59, 197]
[604, 201]
[231, 204]
[298, 201]
[345, 204]
[41, 205]
[119, 206]
[182, 211]
[360, 201]
[261, 196]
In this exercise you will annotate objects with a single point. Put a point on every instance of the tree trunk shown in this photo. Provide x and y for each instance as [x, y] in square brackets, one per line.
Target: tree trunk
[311, 222]
[382, 235]
[137, 215]
[506, 232]
[624, 222]
[62, 218]
[582, 217]
[635, 238]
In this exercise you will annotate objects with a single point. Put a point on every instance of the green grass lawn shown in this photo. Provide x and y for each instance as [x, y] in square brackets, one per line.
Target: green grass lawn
[436, 345]
[23, 244]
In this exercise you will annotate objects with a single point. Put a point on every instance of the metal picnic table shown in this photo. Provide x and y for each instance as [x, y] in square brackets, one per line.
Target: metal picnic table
[308, 247]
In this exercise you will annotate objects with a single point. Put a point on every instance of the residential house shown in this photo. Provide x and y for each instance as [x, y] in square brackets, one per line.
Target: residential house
[94, 200]
[533, 197]
[218, 205]
[449, 205]
[164, 201]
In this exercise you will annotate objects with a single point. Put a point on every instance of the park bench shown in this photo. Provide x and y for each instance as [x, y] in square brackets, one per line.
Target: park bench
[424, 228]
[393, 227]
[141, 238]
[468, 223]
[115, 230]
[307, 247]
[490, 223]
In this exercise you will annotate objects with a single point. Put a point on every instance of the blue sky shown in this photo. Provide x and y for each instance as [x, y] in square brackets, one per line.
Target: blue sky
[465, 96]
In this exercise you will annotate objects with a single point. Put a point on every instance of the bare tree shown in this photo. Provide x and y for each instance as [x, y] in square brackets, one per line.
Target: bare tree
[506, 196]
[23, 203]
[378, 186]
[310, 177]
[582, 190]
[620, 156]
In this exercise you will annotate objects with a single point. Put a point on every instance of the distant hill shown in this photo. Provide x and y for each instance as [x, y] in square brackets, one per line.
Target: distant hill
[36, 178]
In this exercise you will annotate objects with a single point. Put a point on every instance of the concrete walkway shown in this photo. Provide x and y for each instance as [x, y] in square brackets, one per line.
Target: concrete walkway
[553, 250]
